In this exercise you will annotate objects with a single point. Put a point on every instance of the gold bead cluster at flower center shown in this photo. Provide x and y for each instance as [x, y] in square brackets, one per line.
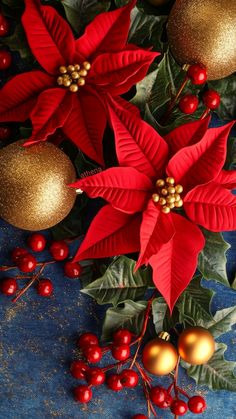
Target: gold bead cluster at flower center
[168, 195]
[73, 76]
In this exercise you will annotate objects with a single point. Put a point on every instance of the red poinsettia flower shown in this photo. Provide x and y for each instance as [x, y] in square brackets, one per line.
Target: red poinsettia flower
[164, 190]
[78, 75]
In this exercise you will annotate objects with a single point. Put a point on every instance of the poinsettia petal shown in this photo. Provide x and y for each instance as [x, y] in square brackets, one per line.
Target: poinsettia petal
[111, 233]
[211, 206]
[123, 187]
[137, 144]
[19, 95]
[51, 111]
[156, 229]
[117, 72]
[107, 32]
[174, 265]
[187, 134]
[50, 37]
[86, 124]
[202, 162]
[227, 178]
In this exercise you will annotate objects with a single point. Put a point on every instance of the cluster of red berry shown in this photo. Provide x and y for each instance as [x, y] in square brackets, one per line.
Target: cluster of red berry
[162, 398]
[26, 262]
[189, 103]
[92, 352]
[5, 56]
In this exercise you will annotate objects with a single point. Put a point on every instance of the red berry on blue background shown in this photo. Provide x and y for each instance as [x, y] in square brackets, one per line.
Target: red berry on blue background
[72, 269]
[27, 263]
[37, 242]
[59, 250]
[45, 287]
[9, 286]
[82, 394]
[197, 404]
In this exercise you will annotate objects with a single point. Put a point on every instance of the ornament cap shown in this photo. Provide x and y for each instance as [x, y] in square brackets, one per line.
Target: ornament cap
[164, 335]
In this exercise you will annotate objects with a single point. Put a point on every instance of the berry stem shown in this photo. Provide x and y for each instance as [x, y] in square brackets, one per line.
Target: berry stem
[173, 101]
[116, 365]
[7, 268]
[205, 113]
[34, 278]
[144, 328]
[143, 374]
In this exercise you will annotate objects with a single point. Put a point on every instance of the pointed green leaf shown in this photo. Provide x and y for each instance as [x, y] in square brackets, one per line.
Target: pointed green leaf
[212, 260]
[130, 316]
[217, 373]
[194, 303]
[119, 283]
[223, 321]
[80, 12]
[161, 315]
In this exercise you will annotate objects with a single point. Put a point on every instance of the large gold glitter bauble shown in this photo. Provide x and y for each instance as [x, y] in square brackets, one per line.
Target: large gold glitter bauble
[196, 345]
[203, 31]
[33, 185]
[160, 356]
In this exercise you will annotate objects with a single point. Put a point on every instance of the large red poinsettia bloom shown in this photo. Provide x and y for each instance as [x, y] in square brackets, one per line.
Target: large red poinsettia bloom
[163, 190]
[59, 96]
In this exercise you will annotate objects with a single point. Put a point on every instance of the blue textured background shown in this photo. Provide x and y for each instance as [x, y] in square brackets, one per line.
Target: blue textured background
[37, 343]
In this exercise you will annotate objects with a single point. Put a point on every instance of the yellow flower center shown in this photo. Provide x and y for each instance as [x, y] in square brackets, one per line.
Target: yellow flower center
[168, 194]
[73, 76]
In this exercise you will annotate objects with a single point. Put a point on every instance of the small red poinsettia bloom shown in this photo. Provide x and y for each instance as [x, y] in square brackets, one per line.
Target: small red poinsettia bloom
[164, 190]
[77, 76]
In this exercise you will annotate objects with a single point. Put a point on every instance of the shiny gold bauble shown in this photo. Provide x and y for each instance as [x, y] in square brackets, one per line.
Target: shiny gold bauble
[159, 356]
[196, 345]
[158, 2]
[33, 185]
[203, 31]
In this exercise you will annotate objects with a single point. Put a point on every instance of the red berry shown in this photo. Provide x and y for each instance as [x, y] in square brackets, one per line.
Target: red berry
[45, 287]
[37, 242]
[17, 253]
[83, 394]
[114, 382]
[5, 132]
[87, 339]
[27, 263]
[188, 104]
[179, 407]
[5, 59]
[120, 352]
[93, 353]
[139, 417]
[197, 404]
[72, 269]
[9, 286]
[4, 26]
[59, 250]
[95, 376]
[211, 99]
[78, 369]
[197, 74]
[122, 337]
[129, 378]
[158, 395]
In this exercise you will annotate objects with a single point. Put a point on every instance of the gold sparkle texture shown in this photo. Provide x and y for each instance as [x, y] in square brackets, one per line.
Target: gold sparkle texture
[196, 345]
[33, 185]
[203, 31]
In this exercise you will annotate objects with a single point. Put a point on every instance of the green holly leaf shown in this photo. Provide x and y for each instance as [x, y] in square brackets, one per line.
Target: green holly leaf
[119, 283]
[130, 316]
[18, 42]
[194, 303]
[227, 89]
[212, 260]
[81, 12]
[146, 30]
[217, 373]
[222, 322]
[161, 315]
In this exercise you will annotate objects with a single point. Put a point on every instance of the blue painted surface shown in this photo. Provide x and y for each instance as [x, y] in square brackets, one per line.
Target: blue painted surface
[38, 342]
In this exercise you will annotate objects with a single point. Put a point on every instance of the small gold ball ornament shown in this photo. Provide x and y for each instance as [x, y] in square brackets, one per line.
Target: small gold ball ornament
[196, 345]
[203, 31]
[33, 185]
[160, 356]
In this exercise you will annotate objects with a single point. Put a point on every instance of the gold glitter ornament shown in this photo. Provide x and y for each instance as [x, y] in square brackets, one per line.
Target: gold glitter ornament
[196, 345]
[33, 185]
[203, 31]
[160, 356]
